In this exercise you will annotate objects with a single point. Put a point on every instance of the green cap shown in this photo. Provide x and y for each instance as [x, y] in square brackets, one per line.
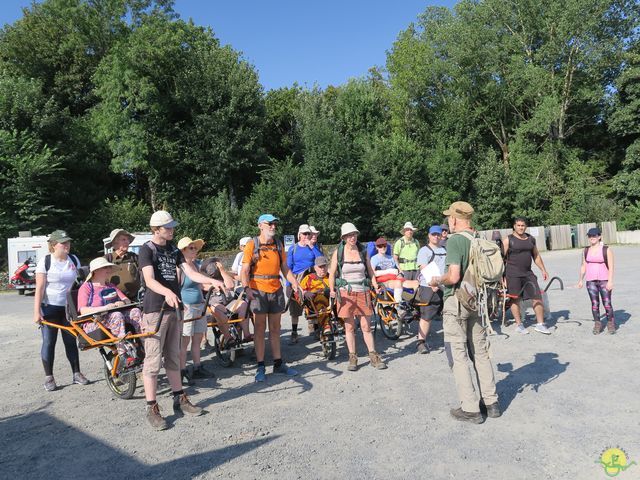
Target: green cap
[59, 236]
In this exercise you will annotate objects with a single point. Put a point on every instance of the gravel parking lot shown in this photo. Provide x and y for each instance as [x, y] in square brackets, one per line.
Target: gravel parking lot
[566, 398]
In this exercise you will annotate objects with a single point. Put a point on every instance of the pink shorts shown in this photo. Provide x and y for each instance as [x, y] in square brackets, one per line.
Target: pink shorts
[354, 304]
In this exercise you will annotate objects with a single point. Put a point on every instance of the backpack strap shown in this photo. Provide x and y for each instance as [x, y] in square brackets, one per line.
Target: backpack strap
[255, 257]
[605, 250]
[47, 261]
[91, 291]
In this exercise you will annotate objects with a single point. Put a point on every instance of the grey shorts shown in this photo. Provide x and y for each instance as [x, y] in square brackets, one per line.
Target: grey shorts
[295, 309]
[267, 302]
[434, 299]
[410, 274]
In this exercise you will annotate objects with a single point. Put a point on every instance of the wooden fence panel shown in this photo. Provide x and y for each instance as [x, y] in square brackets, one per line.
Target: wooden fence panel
[560, 237]
[581, 234]
[609, 232]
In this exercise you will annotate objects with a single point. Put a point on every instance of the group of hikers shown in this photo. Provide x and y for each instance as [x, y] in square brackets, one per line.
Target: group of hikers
[173, 281]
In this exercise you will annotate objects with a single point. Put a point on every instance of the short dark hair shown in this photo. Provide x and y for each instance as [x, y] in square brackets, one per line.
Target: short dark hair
[520, 219]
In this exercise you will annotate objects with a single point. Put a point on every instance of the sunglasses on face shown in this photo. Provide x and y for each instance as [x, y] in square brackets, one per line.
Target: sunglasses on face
[305, 234]
[593, 236]
[191, 248]
[272, 224]
[381, 246]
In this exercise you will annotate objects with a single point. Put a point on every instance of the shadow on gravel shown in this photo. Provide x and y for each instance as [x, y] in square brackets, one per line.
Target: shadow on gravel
[38, 445]
[544, 369]
[621, 316]
[560, 317]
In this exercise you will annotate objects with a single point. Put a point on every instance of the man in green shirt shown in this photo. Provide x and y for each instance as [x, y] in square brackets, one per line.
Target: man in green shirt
[405, 252]
[464, 336]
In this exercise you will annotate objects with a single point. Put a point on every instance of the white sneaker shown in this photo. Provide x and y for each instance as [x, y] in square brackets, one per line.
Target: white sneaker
[542, 328]
[520, 329]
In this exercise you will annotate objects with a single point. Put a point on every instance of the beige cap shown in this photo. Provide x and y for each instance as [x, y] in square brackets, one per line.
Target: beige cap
[184, 242]
[304, 228]
[408, 226]
[244, 241]
[459, 210]
[115, 233]
[162, 218]
[313, 229]
[97, 264]
[348, 228]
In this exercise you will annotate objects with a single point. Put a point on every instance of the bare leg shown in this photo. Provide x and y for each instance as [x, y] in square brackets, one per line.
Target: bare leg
[184, 343]
[515, 311]
[195, 348]
[350, 334]
[423, 329]
[538, 308]
[259, 328]
[367, 334]
[274, 334]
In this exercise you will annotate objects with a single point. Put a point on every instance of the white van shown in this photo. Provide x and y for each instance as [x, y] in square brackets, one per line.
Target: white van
[22, 248]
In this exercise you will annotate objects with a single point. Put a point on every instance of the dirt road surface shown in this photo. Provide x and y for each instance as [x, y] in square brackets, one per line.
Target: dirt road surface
[566, 398]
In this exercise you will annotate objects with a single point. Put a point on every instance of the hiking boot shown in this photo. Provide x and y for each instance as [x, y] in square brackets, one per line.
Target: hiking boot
[471, 417]
[376, 361]
[294, 338]
[353, 362]
[261, 374]
[182, 404]
[520, 329]
[597, 327]
[199, 373]
[283, 369]
[80, 379]
[491, 411]
[611, 327]
[50, 383]
[422, 347]
[186, 377]
[542, 328]
[154, 418]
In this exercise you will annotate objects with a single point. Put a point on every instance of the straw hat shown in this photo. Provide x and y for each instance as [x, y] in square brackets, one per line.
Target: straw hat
[115, 233]
[97, 264]
[184, 242]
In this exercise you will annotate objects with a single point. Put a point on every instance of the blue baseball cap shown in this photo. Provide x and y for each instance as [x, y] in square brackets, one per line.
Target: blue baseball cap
[266, 217]
[594, 232]
[436, 229]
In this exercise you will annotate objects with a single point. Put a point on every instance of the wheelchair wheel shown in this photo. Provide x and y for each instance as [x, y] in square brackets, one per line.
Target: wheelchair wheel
[122, 386]
[390, 324]
[328, 347]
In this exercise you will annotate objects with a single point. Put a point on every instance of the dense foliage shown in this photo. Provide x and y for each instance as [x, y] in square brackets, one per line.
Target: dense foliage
[111, 108]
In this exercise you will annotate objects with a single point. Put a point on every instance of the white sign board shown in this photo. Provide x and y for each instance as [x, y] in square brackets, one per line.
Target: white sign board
[534, 231]
[289, 240]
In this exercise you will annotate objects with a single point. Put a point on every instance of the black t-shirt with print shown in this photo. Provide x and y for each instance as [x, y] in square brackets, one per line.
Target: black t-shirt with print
[167, 260]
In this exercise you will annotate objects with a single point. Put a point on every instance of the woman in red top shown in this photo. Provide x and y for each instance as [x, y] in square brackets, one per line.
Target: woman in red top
[96, 295]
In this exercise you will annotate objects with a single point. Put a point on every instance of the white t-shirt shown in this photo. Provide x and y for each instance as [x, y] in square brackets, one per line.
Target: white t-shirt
[237, 263]
[59, 280]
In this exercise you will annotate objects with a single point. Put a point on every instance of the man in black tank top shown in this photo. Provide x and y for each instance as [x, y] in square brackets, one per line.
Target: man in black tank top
[520, 249]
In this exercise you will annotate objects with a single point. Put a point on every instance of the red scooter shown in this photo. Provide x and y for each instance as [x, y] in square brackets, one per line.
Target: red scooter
[24, 278]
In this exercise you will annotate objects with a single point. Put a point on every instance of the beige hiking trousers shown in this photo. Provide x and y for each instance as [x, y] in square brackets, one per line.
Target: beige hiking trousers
[466, 339]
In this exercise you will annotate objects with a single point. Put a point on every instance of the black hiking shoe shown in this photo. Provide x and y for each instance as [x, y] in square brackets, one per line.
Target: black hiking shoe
[491, 411]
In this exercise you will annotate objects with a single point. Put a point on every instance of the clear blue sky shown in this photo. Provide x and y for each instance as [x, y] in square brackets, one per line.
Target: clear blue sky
[309, 42]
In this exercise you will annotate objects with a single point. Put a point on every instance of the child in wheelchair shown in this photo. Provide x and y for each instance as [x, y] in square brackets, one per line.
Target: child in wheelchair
[225, 304]
[388, 276]
[97, 297]
[315, 286]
